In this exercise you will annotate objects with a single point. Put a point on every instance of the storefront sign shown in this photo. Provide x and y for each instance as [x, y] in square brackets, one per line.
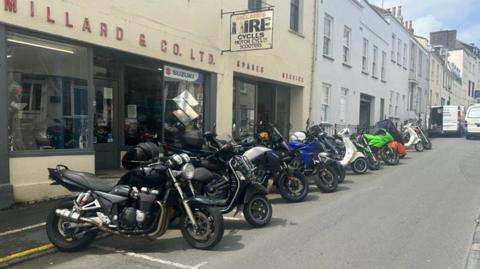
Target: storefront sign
[180, 74]
[251, 30]
[86, 25]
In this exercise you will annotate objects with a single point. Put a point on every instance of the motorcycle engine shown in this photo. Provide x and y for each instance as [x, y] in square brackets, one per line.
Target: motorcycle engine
[218, 188]
[139, 214]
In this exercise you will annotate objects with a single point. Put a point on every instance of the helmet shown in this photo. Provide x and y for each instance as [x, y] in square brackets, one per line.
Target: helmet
[298, 136]
[263, 135]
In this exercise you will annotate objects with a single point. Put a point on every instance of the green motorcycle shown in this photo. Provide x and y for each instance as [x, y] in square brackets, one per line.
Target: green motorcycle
[379, 144]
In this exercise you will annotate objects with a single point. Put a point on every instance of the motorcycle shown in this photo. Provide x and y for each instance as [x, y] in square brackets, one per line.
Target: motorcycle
[353, 157]
[379, 143]
[227, 177]
[413, 138]
[142, 203]
[361, 143]
[427, 144]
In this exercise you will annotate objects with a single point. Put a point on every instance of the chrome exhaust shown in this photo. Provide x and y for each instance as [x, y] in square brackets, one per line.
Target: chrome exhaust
[75, 217]
[162, 222]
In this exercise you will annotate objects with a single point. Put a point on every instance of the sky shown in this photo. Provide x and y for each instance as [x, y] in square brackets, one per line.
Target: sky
[434, 15]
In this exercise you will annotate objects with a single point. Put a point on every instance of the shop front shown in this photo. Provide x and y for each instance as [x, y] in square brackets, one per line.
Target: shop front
[82, 105]
[257, 100]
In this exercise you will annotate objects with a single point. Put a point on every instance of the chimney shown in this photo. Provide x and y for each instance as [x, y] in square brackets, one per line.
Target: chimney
[394, 11]
[399, 11]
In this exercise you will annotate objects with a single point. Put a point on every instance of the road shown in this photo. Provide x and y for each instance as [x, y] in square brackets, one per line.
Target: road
[419, 214]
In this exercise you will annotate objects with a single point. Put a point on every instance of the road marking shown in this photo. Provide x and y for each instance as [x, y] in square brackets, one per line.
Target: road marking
[149, 258]
[24, 253]
[23, 229]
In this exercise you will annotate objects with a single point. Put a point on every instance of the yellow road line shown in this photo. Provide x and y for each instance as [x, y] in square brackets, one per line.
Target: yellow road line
[25, 253]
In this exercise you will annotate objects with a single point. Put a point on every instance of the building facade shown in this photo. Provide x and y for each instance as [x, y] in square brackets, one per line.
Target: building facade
[368, 66]
[84, 81]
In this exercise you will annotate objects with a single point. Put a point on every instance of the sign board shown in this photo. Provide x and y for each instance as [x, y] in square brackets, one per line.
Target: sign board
[251, 30]
[181, 74]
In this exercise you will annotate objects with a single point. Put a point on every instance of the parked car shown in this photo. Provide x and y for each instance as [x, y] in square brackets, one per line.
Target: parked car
[472, 121]
[447, 120]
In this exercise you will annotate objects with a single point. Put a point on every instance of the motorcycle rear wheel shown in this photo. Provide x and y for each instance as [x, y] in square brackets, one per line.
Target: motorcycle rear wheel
[427, 144]
[360, 166]
[63, 237]
[390, 156]
[210, 227]
[327, 180]
[293, 188]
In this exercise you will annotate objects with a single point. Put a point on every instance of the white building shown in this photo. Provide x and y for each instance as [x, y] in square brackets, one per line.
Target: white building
[368, 66]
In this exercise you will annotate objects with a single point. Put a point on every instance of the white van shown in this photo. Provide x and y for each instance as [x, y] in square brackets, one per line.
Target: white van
[446, 120]
[472, 121]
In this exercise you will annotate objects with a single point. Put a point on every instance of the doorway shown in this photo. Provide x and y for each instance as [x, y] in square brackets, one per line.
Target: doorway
[365, 113]
[105, 126]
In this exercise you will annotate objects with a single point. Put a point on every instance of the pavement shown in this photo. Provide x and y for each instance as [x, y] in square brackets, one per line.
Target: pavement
[419, 214]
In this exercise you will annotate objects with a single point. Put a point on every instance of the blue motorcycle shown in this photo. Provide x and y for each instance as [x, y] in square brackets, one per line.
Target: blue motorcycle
[310, 158]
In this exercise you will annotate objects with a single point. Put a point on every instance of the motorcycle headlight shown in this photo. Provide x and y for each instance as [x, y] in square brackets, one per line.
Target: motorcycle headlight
[188, 170]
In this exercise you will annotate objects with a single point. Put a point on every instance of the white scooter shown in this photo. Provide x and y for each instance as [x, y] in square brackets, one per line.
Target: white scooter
[413, 139]
[353, 157]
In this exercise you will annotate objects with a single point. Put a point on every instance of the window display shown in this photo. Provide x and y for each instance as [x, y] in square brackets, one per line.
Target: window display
[48, 94]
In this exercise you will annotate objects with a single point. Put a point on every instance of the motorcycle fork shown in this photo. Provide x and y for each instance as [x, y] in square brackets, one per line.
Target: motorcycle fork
[188, 210]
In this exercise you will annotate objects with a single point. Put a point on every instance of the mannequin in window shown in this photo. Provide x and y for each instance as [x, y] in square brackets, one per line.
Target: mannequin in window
[15, 108]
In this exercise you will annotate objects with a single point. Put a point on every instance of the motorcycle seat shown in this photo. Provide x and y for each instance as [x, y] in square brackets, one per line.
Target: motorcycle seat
[202, 174]
[89, 181]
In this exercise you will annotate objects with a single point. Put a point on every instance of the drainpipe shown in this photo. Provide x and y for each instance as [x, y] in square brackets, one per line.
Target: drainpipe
[314, 57]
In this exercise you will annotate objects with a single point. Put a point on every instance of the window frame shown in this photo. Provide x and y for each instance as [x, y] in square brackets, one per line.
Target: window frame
[89, 149]
[347, 43]
[295, 23]
[325, 106]
[375, 62]
[383, 71]
[365, 56]
[329, 47]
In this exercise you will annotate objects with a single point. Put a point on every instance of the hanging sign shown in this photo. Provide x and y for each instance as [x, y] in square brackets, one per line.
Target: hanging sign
[251, 30]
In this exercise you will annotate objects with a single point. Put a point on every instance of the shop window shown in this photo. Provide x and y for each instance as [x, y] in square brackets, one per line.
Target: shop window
[48, 94]
[185, 95]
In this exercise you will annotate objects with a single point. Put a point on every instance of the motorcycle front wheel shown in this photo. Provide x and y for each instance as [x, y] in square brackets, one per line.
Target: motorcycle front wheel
[419, 146]
[258, 211]
[293, 188]
[64, 234]
[327, 180]
[427, 144]
[210, 227]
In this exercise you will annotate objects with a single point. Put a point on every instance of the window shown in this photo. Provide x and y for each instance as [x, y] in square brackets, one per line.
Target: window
[375, 62]
[405, 55]
[343, 105]
[327, 36]
[295, 15]
[438, 74]
[325, 100]
[384, 63]
[394, 37]
[347, 37]
[254, 4]
[390, 106]
[399, 48]
[365, 56]
[420, 63]
[412, 58]
[48, 94]
[396, 104]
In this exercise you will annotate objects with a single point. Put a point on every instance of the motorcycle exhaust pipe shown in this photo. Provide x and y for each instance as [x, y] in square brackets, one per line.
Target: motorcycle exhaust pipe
[75, 217]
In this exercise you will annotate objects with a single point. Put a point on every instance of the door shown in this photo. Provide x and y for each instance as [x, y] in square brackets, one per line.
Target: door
[105, 126]
[244, 107]
[364, 116]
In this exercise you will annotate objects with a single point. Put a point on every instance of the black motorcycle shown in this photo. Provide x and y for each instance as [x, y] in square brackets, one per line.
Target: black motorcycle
[142, 203]
[228, 177]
